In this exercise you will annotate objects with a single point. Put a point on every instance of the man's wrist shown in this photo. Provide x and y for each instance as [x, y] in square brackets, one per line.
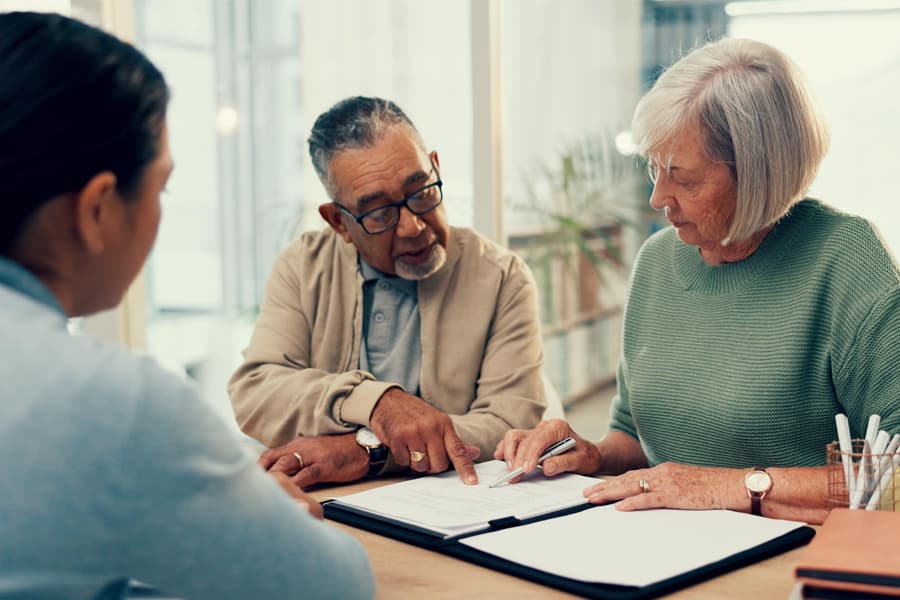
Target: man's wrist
[358, 406]
[385, 398]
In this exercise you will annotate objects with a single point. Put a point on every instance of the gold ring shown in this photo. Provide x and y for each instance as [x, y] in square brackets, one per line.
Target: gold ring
[299, 459]
[417, 456]
[645, 487]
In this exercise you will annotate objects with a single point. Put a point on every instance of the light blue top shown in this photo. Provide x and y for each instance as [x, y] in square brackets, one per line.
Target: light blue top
[114, 469]
[392, 329]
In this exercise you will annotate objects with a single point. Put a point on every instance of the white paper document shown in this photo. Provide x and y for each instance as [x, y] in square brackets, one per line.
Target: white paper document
[445, 505]
[605, 545]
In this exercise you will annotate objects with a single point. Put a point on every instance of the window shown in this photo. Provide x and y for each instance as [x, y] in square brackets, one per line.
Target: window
[571, 78]
[856, 80]
[249, 76]
[233, 67]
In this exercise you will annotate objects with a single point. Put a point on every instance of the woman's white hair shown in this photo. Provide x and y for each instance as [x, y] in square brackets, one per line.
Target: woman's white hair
[755, 114]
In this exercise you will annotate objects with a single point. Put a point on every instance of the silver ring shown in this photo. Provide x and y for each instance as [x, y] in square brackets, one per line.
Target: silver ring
[645, 487]
[417, 456]
[299, 459]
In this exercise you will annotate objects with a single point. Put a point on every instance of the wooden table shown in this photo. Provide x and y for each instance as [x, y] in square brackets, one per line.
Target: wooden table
[406, 571]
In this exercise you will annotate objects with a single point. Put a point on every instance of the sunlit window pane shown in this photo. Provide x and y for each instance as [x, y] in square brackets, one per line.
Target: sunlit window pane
[571, 78]
[856, 79]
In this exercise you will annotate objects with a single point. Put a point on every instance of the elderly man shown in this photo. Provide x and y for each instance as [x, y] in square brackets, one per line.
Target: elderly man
[389, 339]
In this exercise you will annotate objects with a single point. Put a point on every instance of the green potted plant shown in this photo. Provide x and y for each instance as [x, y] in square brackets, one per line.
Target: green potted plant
[583, 202]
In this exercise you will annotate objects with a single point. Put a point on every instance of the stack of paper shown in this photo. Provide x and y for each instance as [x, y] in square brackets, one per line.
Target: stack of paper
[447, 507]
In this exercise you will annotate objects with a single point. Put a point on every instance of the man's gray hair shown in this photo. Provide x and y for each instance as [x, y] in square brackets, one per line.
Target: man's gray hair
[356, 122]
[754, 113]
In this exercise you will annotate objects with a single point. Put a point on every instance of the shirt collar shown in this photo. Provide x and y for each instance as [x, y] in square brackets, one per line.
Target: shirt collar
[15, 276]
[371, 274]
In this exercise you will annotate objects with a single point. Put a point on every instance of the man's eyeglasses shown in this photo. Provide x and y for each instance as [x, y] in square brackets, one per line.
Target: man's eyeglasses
[379, 220]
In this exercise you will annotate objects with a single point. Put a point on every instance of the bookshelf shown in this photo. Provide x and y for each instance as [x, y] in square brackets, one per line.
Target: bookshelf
[581, 290]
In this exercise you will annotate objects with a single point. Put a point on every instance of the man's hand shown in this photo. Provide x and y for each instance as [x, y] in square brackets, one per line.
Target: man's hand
[420, 436]
[304, 500]
[319, 459]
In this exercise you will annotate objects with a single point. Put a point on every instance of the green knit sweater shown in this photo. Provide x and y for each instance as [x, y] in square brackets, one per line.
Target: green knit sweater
[747, 363]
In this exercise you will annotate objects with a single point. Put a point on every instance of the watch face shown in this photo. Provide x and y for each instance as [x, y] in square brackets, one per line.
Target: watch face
[758, 481]
[366, 437]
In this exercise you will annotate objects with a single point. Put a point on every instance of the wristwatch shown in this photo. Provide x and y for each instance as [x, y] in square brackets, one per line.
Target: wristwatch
[758, 483]
[377, 451]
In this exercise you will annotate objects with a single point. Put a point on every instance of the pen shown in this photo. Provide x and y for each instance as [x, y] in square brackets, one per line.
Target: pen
[890, 462]
[846, 446]
[559, 447]
[862, 479]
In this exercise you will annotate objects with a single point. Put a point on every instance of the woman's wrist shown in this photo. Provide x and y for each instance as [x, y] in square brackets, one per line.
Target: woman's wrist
[595, 460]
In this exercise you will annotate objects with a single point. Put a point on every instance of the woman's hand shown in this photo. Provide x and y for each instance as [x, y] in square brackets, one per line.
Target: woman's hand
[522, 448]
[673, 485]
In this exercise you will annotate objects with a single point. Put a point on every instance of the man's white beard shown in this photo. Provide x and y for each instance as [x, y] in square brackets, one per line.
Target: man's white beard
[424, 269]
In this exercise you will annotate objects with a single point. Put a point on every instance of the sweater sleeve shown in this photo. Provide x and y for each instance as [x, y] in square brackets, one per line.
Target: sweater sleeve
[509, 390]
[204, 521]
[867, 380]
[620, 418]
[866, 331]
[277, 393]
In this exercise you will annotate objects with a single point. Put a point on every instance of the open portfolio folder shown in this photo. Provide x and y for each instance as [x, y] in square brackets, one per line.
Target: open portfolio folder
[544, 530]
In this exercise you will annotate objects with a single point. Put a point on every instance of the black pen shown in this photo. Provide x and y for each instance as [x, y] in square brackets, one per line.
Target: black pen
[559, 447]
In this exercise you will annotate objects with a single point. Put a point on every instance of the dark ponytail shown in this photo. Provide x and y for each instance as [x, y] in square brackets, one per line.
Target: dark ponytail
[74, 101]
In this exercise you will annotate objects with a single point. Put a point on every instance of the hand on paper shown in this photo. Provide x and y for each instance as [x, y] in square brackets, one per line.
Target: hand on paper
[521, 448]
[304, 500]
[410, 426]
[326, 458]
[673, 485]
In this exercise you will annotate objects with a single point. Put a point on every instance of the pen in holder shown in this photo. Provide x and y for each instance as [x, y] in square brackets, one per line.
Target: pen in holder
[863, 479]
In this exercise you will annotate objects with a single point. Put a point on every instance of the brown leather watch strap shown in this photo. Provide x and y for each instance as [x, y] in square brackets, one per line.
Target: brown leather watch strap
[756, 504]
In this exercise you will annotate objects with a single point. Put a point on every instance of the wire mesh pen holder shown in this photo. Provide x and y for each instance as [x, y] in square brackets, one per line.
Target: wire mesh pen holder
[861, 479]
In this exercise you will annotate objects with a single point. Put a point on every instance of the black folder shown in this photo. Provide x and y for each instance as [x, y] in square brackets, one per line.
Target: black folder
[429, 540]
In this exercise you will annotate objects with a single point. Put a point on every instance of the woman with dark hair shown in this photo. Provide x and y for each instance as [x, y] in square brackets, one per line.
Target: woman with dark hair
[113, 469]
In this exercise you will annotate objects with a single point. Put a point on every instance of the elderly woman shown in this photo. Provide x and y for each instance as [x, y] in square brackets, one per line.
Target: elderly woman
[113, 468]
[752, 320]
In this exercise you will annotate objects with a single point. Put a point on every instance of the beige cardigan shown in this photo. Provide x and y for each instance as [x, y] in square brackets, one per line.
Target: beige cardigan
[481, 344]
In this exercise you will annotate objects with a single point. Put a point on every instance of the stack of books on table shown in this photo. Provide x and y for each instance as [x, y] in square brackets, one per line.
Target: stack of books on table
[855, 554]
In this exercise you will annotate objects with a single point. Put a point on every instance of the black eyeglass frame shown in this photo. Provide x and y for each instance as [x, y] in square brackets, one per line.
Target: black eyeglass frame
[398, 205]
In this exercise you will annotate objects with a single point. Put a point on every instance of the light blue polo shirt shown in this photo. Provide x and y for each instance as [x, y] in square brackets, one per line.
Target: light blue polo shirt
[392, 346]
